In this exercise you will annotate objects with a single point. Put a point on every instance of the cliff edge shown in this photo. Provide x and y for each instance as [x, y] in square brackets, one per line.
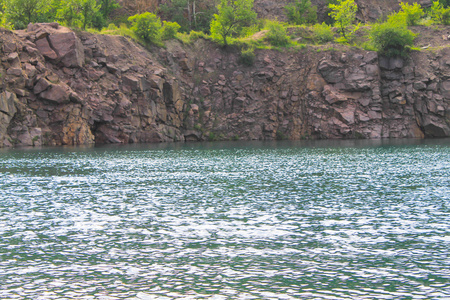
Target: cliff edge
[59, 87]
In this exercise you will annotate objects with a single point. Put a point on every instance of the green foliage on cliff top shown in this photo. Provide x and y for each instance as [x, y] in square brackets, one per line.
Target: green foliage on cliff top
[235, 23]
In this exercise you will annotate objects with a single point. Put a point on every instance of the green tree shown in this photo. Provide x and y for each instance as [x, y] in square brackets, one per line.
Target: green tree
[232, 16]
[344, 15]
[147, 26]
[23, 12]
[301, 12]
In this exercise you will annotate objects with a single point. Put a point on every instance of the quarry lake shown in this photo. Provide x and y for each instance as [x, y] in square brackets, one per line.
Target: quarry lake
[235, 220]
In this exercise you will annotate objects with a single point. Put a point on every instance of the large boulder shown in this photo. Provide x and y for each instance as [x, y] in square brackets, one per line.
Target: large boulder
[57, 93]
[7, 104]
[7, 111]
[434, 127]
[44, 47]
[57, 43]
[68, 47]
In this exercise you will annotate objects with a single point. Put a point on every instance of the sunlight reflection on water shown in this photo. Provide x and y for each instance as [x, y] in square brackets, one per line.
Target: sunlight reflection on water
[276, 220]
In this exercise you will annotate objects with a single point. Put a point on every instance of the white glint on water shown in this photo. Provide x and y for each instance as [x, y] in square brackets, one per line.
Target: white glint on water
[226, 221]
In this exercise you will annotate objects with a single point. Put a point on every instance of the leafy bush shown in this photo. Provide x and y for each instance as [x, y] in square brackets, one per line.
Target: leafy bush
[276, 34]
[247, 56]
[322, 33]
[392, 39]
[397, 18]
[147, 26]
[412, 13]
[169, 30]
[439, 14]
[301, 12]
[112, 27]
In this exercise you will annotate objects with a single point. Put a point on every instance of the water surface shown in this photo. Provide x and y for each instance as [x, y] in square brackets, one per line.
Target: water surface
[254, 220]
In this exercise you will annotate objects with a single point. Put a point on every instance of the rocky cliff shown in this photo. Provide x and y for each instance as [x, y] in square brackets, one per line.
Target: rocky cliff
[64, 88]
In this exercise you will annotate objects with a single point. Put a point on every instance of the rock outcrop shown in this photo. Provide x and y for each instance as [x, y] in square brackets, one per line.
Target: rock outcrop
[62, 88]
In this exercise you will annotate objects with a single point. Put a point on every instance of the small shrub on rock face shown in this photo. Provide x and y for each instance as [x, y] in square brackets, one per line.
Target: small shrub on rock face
[195, 35]
[247, 56]
[322, 33]
[392, 39]
[276, 34]
[169, 30]
[112, 26]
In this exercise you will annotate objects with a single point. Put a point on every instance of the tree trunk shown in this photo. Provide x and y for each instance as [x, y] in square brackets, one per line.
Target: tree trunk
[194, 14]
[189, 15]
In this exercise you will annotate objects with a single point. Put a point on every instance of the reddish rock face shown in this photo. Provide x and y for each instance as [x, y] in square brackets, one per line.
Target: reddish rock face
[127, 94]
[69, 48]
[44, 47]
[56, 93]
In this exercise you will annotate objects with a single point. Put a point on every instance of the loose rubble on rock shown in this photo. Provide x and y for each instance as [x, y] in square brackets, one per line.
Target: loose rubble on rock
[64, 88]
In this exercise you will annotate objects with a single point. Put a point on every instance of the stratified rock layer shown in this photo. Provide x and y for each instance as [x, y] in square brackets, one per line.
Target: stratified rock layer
[59, 88]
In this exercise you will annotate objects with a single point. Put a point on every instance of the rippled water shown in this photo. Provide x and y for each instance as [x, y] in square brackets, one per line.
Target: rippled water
[279, 220]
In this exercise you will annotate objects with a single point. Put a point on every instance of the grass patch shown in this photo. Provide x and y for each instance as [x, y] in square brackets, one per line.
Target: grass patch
[112, 29]
[189, 38]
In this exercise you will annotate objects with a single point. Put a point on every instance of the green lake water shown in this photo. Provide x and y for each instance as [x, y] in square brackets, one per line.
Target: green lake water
[253, 220]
